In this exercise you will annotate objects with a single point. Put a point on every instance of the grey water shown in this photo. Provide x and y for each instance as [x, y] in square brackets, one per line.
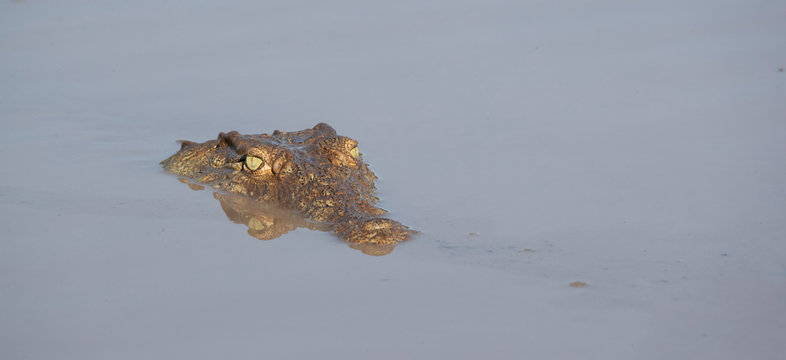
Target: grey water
[635, 151]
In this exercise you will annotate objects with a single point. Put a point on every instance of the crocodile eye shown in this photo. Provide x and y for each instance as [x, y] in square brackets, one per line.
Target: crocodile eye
[354, 152]
[253, 162]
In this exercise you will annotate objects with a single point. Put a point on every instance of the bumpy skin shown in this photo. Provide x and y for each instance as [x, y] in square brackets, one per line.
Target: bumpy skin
[315, 172]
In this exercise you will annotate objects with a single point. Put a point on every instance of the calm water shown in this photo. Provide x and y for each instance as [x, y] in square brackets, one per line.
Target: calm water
[635, 148]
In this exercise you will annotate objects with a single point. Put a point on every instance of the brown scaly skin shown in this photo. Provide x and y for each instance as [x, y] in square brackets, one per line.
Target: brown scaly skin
[314, 172]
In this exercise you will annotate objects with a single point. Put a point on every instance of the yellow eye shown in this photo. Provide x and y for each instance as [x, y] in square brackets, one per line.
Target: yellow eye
[354, 152]
[253, 162]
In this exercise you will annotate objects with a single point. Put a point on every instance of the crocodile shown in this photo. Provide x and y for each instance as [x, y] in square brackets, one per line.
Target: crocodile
[314, 174]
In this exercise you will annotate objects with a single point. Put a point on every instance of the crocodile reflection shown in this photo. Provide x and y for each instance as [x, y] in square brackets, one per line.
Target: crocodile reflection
[267, 221]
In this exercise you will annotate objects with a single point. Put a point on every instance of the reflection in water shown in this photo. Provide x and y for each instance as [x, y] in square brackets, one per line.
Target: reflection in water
[195, 187]
[264, 221]
[268, 221]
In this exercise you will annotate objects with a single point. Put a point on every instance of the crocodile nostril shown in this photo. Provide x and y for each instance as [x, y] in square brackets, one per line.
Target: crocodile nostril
[185, 143]
[228, 139]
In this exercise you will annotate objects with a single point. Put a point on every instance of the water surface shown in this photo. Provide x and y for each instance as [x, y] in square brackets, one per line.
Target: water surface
[637, 148]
